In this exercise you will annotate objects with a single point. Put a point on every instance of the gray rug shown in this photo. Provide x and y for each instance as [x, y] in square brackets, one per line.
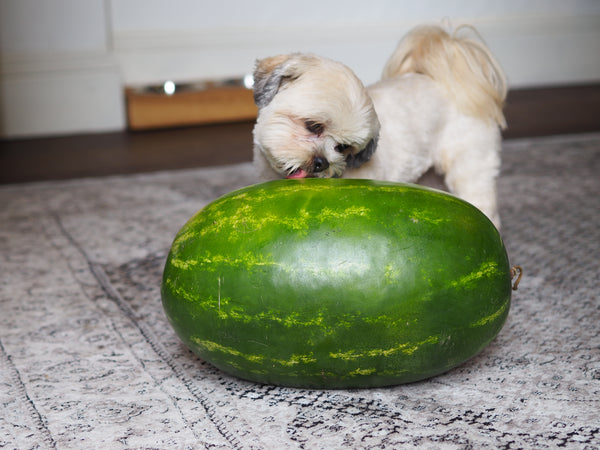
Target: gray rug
[87, 359]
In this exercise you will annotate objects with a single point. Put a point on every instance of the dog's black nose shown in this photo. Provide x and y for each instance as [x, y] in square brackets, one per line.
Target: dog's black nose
[320, 164]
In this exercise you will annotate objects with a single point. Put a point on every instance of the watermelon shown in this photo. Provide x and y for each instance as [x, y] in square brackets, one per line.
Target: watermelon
[337, 283]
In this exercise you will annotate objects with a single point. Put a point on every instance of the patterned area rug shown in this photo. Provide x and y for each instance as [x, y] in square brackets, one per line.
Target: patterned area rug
[88, 360]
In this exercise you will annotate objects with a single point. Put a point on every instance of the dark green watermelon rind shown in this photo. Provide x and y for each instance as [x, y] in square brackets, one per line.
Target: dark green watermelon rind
[224, 301]
[290, 354]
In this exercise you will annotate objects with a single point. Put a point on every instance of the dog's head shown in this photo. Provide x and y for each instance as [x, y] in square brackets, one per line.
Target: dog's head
[315, 116]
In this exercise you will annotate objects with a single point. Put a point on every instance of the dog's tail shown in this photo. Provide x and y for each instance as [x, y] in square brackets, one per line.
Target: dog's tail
[464, 67]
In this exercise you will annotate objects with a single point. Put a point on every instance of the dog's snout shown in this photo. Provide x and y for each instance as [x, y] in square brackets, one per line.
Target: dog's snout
[320, 164]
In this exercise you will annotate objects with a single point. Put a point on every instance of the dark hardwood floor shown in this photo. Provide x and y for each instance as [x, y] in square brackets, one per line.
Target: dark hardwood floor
[124, 152]
[529, 112]
[552, 110]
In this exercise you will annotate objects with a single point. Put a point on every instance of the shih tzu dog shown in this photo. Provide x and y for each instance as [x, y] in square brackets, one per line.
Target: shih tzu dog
[438, 105]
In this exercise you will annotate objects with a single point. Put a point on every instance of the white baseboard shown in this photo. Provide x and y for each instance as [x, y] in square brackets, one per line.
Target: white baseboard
[60, 94]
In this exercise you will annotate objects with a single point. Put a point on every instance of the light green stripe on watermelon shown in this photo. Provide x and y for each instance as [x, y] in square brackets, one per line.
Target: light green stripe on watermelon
[210, 262]
[492, 317]
[362, 372]
[320, 187]
[226, 312]
[419, 215]
[290, 321]
[184, 235]
[407, 348]
[488, 269]
[296, 359]
[180, 292]
[221, 306]
[211, 346]
[348, 213]
[244, 221]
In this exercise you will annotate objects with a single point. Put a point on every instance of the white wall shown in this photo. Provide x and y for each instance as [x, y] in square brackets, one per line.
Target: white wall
[57, 72]
[65, 62]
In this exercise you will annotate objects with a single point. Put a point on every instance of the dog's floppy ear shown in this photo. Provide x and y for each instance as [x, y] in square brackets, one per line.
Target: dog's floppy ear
[269, 75]
[353, 161]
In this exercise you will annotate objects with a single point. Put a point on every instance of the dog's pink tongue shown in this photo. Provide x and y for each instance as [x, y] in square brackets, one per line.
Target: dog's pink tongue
[299, 173]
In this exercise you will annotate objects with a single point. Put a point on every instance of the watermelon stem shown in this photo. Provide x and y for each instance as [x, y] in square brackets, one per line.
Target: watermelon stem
[518, 272]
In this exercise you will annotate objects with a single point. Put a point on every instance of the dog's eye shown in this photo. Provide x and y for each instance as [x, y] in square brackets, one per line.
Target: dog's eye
[341, 148]
[314, 127]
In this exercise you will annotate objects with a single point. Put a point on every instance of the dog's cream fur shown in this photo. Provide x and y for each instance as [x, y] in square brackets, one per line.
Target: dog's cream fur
[439, 104]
